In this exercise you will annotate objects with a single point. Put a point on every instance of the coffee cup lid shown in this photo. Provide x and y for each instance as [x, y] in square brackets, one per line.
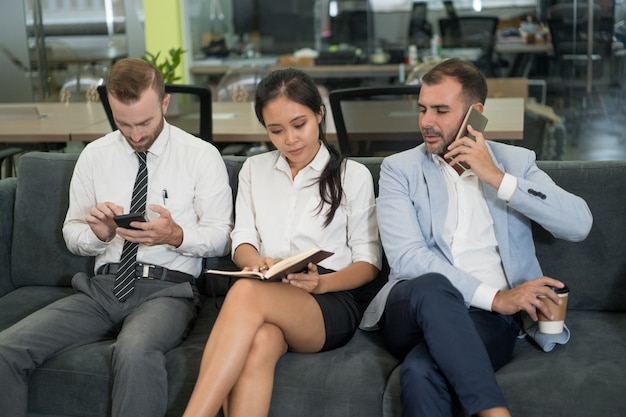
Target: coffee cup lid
[563, 290]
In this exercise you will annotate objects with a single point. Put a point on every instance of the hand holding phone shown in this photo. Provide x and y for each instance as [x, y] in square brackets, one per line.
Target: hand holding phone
[477, 120]
[124, 220]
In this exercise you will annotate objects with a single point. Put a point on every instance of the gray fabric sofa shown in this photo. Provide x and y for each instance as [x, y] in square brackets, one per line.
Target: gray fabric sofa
[584, 378]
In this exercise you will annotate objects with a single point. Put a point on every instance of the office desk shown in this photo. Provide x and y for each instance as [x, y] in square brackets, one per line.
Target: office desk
[232, 122]
[523, 54]
[398, 119]
[83, 55]
[46, 122]
[212, 67]
[315, 71]
[236, 122]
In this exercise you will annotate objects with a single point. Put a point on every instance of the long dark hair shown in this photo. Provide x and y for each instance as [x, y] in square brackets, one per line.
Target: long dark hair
[298, 87]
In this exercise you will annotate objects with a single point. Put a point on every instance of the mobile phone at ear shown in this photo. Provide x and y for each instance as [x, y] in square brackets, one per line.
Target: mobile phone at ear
[477, 120]
[124, 220]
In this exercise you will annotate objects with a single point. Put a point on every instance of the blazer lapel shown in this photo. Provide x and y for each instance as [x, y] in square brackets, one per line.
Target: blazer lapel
[438, 203]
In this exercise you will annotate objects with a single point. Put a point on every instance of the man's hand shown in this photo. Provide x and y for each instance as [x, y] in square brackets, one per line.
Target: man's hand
[526, 298]
[476, 155]
[100, 220]
[162, 230]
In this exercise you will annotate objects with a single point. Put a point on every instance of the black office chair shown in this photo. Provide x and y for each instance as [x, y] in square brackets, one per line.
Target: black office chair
[376, 121]
[9, 154]
[420, 30]
[473, 32]
[203, 128]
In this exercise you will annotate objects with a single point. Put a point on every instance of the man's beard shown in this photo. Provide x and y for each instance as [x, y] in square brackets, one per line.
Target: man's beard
[443, 147]
[151, 138]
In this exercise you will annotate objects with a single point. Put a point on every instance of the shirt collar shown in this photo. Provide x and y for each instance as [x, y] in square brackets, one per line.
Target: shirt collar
[318, 163]
[445, 166]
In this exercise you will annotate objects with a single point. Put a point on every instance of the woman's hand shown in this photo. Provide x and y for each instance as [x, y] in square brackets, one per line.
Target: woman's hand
[309, 281]
[261, 265]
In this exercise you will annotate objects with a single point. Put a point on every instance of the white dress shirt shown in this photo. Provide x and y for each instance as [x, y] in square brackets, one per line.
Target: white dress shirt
[279, 216]
[185, 174]
[469, 231]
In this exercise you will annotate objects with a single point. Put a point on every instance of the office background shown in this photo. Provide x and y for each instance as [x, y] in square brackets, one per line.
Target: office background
[46, 44]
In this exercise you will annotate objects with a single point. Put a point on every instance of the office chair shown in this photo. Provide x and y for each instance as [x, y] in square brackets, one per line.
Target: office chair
[376, 121]
[9, 155]
[420, 30]
[472, 32]
[82, 84]
[185, 120]
[238, 85]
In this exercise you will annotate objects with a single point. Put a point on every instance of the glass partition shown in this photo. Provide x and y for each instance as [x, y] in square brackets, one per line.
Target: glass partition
[72, 43]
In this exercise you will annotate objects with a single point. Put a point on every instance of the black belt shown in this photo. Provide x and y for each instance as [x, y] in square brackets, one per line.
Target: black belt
[150, 272]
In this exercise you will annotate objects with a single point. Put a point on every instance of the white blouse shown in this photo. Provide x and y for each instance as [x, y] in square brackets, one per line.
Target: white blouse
[280, 216]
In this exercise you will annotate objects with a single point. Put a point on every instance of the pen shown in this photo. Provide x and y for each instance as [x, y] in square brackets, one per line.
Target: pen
[164, 195]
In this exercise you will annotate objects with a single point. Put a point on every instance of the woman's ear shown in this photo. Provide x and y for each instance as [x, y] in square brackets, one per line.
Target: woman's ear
[321, 113]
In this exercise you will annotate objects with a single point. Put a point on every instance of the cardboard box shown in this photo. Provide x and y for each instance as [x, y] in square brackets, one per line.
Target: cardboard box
[507, 87]
[292, 61]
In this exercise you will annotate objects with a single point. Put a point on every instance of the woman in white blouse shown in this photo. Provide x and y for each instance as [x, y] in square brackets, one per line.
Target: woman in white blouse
[303, 195]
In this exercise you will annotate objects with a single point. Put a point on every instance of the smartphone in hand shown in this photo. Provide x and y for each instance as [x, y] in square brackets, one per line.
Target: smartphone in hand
[124, 220]
[477, 120]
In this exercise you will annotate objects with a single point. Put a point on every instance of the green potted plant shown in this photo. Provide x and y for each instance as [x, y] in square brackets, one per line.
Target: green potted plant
[168, 64]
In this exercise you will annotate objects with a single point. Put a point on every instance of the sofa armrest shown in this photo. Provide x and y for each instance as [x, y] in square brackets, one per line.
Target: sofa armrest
[7, 203]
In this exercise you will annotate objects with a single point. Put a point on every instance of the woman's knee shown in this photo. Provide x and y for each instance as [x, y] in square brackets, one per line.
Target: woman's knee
[268, 346]
[242, 293]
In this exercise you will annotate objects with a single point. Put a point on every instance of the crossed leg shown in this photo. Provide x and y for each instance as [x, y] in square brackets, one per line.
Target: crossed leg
[257, 324]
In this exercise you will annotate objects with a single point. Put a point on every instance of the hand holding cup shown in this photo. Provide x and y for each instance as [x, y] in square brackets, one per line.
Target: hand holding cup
[558, 311]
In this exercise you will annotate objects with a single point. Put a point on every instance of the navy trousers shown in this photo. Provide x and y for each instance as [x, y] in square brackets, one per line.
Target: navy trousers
[449, 352]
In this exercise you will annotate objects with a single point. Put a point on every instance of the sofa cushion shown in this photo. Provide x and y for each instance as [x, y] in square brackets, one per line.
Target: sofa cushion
[348, 381]
[583, 378]
[7, 199]
[578, 379]
[39, 255]
[26, 300]
[594, 269]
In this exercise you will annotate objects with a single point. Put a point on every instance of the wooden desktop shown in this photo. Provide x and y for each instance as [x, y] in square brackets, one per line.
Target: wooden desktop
[232, 122]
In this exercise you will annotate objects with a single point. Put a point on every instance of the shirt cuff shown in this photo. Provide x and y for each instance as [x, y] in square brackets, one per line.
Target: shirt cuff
[483, 297]
[508, 186]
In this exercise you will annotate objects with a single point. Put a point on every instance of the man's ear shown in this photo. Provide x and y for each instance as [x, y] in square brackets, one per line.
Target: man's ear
[166, 102]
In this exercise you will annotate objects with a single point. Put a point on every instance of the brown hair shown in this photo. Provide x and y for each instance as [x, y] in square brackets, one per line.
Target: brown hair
[130, 77]
[473, 83]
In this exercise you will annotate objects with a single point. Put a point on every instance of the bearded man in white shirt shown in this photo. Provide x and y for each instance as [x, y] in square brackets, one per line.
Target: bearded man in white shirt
[188, 208]
[459, 243]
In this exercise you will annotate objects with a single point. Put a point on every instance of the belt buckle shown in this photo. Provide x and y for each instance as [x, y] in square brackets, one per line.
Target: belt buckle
[143, 270]
[149, 271]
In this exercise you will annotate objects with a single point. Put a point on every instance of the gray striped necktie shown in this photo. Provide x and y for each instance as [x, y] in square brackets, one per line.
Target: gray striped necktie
[125, 279]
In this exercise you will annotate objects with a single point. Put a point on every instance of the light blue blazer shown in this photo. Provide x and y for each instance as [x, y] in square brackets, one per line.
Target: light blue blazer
[412, 207]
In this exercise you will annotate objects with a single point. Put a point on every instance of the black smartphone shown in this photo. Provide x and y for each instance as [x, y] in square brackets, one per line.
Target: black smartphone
[124, 220]
[477, 120]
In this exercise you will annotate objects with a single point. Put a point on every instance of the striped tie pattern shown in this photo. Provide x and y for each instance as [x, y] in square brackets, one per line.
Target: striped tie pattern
[125, 278]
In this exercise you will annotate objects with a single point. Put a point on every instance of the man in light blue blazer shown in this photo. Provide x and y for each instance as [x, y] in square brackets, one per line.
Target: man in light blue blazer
[465, 281]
